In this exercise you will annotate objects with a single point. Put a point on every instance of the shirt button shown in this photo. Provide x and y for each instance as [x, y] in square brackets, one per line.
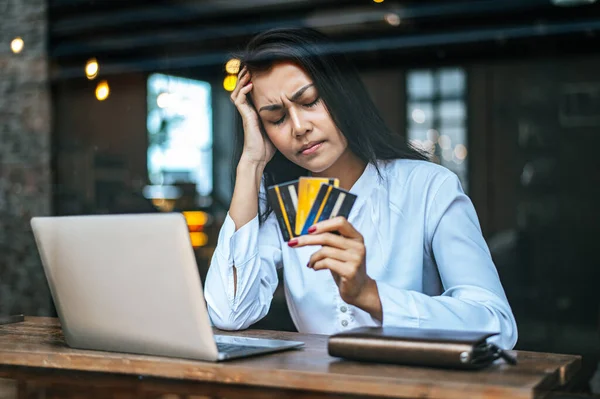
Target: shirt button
[343, 309]
[345, 323]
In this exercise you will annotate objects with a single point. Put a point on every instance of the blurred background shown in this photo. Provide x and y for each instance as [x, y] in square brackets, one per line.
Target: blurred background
[123, 106]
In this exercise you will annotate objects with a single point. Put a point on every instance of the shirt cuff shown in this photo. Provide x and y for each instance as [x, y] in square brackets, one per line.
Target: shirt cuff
[239, 247]
[398, 307]
[236, 248]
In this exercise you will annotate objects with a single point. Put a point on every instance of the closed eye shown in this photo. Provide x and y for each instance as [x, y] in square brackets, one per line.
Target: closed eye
[280, 121]
[309, 105]
[312, 104]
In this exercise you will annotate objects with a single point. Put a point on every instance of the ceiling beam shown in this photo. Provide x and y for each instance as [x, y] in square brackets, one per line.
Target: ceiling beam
[351, 47]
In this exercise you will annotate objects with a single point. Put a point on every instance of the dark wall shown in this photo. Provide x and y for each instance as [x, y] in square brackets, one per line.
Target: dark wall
[98, 143]
[25, 176]
[539, 180]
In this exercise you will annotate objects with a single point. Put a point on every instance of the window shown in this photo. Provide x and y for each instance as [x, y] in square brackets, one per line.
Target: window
[179, 132]
[437, 116]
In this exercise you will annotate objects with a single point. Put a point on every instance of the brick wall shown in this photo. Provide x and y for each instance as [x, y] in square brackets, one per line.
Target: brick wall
[25, 179]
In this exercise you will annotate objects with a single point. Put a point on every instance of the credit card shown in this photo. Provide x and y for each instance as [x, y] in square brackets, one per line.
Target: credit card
[308, 188]
[283, 198]
[331, 202]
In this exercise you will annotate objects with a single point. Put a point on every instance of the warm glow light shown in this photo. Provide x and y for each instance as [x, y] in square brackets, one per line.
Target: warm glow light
[195, 219]
[445, 142]
[233, 66]
[418, 115]
[164, 205]
[17, 45]
[163, 100]
[102, 90]
[230, 82]
[378, 1]
[392, 19]
[91, 68]
[198, 239]
[460, 151]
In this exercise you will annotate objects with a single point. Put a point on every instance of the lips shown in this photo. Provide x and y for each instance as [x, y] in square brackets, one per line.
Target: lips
[310, 147]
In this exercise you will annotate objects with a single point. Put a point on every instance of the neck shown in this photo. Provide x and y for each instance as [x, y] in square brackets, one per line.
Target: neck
[348, 169]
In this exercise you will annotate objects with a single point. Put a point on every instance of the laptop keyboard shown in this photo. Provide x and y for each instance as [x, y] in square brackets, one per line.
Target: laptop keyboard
[235, 348]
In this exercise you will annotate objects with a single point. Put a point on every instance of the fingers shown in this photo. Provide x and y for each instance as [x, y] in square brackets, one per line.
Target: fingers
[349, 261]
[336, 266]
[329, 252]
[326, 239]
[241, 86]
[339, 224]
[242, 71]
[241, 98]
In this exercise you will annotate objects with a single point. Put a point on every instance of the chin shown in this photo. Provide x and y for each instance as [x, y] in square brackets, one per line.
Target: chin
[317, 165]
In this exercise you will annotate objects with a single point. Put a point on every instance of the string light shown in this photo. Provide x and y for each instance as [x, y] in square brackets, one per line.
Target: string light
[17, 45]
[418, 115]
[91, 68]
[233, 66]
[198, 239]
[392, 19]
[445, 142]
[195, 219]
[230, 82]
[460, 152]
[102, 90]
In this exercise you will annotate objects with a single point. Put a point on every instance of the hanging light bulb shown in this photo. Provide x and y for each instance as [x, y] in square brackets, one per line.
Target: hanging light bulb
[230, 82]
[17, 45]
[233, 66]
[91, 68]
[102, 90]
[392, 18]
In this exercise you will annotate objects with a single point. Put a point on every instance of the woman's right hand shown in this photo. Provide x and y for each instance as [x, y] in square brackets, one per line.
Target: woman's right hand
[257, 149]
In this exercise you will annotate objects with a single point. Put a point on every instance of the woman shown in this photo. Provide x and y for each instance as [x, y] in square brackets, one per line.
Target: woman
[411, 252]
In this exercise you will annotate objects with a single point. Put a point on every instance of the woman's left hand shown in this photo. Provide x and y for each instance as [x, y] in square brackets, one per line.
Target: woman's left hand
[345, 256]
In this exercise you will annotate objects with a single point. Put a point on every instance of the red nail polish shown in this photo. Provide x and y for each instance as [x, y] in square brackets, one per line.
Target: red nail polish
[293, 243]
[312, 229]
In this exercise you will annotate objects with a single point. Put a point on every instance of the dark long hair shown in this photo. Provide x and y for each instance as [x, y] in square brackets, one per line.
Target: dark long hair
[342, 92]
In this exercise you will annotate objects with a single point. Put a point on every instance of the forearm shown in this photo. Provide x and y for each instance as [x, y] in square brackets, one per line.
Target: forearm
[458, 308]
[244, 203]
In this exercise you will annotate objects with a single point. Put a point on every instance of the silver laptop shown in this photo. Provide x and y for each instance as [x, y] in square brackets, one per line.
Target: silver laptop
[130, 283]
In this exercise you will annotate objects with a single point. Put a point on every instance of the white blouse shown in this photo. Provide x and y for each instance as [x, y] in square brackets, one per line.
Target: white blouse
[425, 251]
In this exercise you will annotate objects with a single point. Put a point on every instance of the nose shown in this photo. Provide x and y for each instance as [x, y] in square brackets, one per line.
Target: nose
[300, 125]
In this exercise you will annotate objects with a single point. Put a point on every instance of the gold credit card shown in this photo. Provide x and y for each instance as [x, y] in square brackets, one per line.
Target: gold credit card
[308, 188]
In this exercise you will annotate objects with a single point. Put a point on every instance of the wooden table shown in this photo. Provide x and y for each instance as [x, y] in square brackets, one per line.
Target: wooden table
[33, 355]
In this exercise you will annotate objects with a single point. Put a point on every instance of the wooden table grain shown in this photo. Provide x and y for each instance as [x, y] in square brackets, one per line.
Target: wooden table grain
[35, 350]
